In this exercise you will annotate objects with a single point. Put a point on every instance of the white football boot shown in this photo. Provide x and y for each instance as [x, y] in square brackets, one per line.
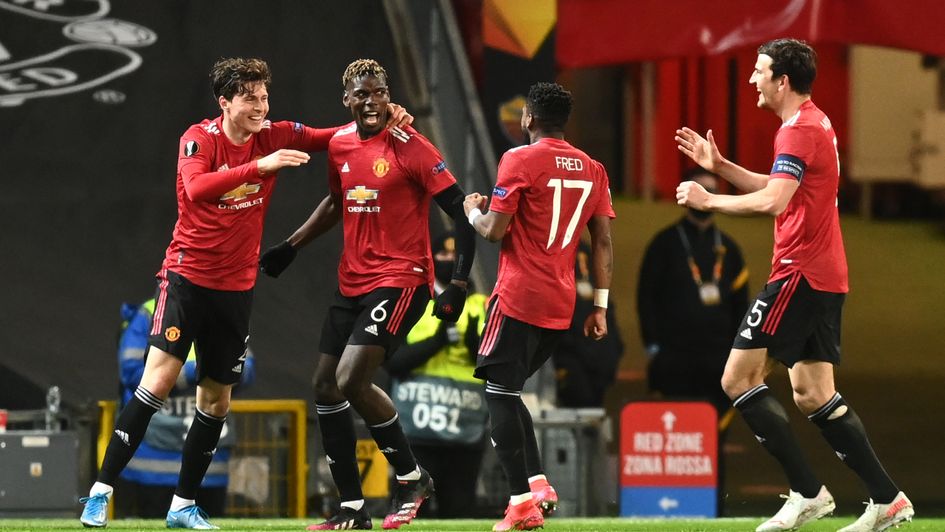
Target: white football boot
[798, 510]
[878, 517]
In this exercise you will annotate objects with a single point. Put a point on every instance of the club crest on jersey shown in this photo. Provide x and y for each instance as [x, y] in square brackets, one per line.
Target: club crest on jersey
[191, 148]
[241, 192]
[499, 192]
[380, 167]
[172, 334]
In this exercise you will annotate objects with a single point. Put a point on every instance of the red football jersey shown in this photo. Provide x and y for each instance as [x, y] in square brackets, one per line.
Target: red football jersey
[552, 189]
[385, 184]
[222, 199]
[807, 234]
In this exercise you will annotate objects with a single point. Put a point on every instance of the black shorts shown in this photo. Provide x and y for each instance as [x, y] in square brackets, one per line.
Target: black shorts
[511, 350]
[216, 321]
[381, 317]
[794, 322]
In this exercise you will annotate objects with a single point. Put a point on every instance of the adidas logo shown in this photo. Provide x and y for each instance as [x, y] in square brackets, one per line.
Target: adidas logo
[238, 368]
[330, 460]
[388, 450]
[746, 334]
[123, 436]
[841, 456]
[760, 439]
[372, 328]
[345, 168]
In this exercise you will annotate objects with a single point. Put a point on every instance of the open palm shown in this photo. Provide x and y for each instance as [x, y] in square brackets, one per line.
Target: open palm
[702, 150]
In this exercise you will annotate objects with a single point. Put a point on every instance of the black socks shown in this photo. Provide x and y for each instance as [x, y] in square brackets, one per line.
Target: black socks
[508, 435]
[844, 431]
[769, 422]
[129, 431]
[199, 447]
[337, 428]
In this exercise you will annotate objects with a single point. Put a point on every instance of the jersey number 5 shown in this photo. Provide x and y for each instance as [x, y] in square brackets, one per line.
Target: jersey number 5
[558, 184]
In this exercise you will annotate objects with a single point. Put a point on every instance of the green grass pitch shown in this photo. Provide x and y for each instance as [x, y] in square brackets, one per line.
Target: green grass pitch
[479, 525]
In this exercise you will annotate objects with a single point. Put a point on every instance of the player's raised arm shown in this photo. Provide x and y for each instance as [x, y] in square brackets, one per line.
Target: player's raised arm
[449, 304]
[771, 200]
[705, 152]
[491, 225]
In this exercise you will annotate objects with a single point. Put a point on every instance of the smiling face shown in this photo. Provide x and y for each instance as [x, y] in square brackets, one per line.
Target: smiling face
[247, 110]
[769, 88]
[367, 97]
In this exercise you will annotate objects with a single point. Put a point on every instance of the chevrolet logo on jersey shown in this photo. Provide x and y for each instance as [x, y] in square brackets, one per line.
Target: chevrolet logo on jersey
[361, 195]
[240, 192]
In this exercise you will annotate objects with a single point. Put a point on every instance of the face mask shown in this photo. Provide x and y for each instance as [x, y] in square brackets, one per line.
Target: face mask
[443, 270]
[700, 215]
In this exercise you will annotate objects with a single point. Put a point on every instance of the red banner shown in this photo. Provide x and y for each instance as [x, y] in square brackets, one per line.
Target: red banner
[668, 444]
[601, 32]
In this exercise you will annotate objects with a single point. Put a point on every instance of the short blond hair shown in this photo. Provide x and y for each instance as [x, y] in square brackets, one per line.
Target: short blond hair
[360, 68]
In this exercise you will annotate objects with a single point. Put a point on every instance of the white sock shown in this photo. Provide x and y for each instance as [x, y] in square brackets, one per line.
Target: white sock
[179, 503]
[537, 478]
[413, 475]
[98, 488]
[519, 499]
[354, 505]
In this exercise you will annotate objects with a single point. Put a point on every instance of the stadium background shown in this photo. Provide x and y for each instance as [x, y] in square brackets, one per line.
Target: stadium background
[88, 207]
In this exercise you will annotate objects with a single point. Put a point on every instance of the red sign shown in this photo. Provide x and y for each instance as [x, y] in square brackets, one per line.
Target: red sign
[668, 444]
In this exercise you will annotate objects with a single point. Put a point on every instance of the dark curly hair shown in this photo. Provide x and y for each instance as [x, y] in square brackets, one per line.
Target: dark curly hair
[231, 76]
[794, 58]
[363, 67]
[550, 105]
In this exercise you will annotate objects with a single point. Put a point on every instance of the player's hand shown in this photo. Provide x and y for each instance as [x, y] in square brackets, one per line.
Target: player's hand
[277, 258]
[692, 194]
[474, 201]
[703, 151]
[449, 304]
[279, 159]
[398, 117]
[595, 326]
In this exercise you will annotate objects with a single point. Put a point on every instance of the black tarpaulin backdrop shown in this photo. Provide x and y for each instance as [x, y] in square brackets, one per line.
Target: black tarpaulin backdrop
[88, 201]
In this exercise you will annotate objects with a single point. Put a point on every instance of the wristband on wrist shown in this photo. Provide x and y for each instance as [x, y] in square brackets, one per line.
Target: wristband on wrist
[600, 297]
[473, 214]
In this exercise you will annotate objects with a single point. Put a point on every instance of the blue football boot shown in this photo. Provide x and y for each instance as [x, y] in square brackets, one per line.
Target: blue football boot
[191, 517]
[95, 514]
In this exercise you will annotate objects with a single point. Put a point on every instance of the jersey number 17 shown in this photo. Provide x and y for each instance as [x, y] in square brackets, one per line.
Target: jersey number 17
[559, 185]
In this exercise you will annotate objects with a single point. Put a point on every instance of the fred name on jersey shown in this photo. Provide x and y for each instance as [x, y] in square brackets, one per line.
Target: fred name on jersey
[571, 164]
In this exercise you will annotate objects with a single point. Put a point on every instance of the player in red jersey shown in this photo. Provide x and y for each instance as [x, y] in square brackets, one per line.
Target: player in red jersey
[795, 320]
[225, 174]
[545, 194]
[381, 183]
